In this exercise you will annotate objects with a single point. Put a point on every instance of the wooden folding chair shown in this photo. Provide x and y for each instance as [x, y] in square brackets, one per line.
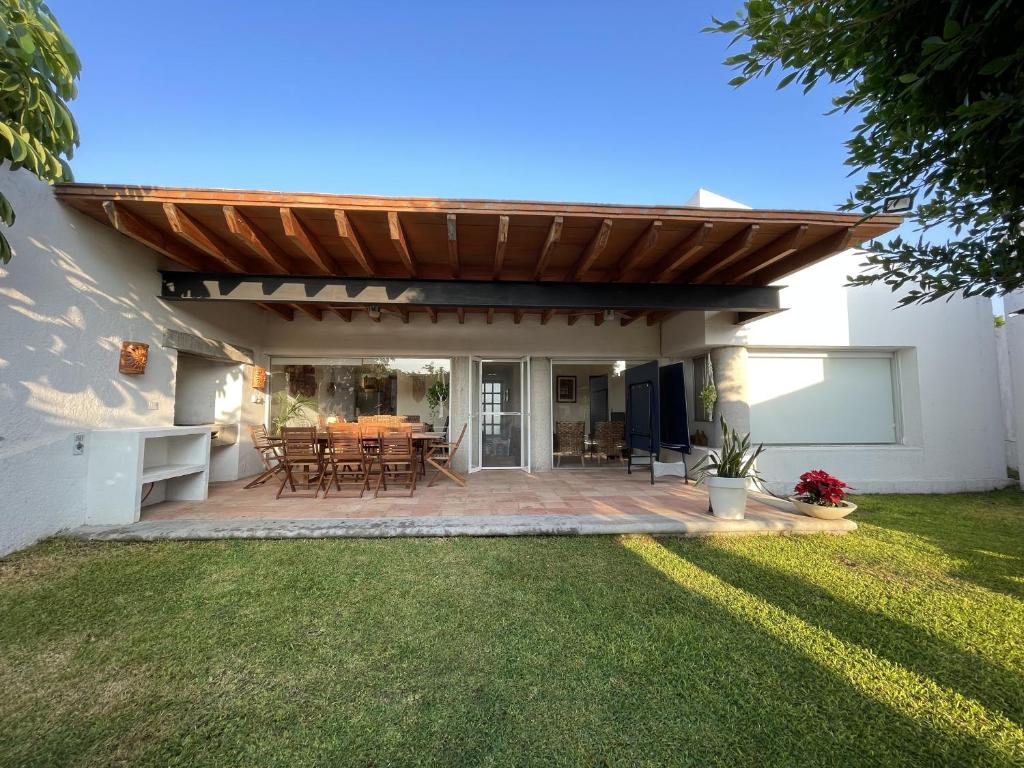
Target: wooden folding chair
[397, 462]
[440, 458]
[345, 460]
[270, 454]
[303, 462]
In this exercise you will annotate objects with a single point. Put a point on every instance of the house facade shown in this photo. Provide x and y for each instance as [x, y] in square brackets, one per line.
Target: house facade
[527, 313]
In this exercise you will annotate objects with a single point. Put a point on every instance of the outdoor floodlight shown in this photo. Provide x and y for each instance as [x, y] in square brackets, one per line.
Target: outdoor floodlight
[899, 203]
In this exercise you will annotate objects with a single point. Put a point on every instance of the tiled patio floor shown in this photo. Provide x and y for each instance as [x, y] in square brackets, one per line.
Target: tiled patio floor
[601, 499]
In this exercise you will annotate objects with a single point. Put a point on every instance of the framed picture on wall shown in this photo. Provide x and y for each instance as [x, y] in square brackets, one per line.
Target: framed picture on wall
[565, 389]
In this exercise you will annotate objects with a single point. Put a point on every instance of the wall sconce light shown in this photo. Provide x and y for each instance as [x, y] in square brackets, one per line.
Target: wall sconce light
[134, 356]
[609, 315]
[259, 377]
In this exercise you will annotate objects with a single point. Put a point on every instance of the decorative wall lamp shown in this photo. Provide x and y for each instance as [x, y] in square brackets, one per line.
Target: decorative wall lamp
[134, 356]
[259, 377]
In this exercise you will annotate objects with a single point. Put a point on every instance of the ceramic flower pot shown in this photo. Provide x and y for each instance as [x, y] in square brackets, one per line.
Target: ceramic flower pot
[728, 496]
[820, 512]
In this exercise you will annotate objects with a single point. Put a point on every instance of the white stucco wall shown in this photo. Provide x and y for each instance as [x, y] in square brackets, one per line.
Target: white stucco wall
[1014, 329]
[72, 293]
[948, 379]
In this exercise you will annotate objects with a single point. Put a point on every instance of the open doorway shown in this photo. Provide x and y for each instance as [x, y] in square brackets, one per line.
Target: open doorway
[588, 412]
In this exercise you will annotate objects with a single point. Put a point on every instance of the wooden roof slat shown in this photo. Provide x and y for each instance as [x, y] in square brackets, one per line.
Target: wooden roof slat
[630, 319]
[593, 250]
[295, 230]
[432, 313]
[785, 244]
[554, 234]
[499, 248]
[283, 311]
[682, 254]
[130, 225]
[460, 312]
[398, 240]
[350, 237]
[186, 227]
[257, 242]
[546, 316]
[724, 255]
[834, 243]
[640, 248]
[344, 314]
[314, 312]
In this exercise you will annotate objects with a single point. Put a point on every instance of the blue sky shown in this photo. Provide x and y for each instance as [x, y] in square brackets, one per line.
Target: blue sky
[609, 102]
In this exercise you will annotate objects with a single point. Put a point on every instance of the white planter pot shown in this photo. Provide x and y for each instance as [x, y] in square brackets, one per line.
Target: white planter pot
[728, 496]
[823, 513]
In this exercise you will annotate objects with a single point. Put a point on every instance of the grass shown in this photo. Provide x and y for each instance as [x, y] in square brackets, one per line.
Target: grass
[901, 644]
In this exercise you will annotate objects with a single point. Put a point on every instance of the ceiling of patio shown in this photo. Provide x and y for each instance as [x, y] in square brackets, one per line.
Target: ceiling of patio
[318, 235]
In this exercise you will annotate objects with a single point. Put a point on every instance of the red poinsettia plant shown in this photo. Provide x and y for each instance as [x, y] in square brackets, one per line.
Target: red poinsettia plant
[819, 487]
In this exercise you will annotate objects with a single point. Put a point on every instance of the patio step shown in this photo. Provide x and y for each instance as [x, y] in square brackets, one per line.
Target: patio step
[476, 525]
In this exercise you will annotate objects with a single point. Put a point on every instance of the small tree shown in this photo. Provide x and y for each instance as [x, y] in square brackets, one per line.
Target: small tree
[939, 86]
[38, 70]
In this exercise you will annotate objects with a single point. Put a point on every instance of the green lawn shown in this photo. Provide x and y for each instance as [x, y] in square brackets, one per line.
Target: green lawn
[901, 644]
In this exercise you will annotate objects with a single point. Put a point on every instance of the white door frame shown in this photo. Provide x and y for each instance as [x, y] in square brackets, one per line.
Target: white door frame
[476, 420]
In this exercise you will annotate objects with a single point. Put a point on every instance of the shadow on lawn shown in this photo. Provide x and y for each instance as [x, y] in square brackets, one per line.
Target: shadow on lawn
[983, 530]
[994, 687]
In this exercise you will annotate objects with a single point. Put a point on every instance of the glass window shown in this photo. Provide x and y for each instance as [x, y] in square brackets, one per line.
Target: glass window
[824, 398]
[322, 390]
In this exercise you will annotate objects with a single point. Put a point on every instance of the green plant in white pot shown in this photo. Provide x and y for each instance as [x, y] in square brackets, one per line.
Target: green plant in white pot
[727, 473]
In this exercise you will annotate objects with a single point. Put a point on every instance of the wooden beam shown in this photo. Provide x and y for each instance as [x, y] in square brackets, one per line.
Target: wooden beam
[593, 250]
[517, 316]
[546, 316]
[460, 312]
[350, 237]
[490, 315]
[281, 310]
[682, 254]
[312, 311]
[441, 294]
[194, 233]
[653, 318]
[554, 234]
[344, 314]
[829, 246]
[297, 232]
[433, 314]
[640, 248]
[141, 231]
[404, 314]
[453, 245]
[629, 319]
[572, 319]
[257, 242]
[499, 248]
[598, 318]
[398, 240]
[728, 252]
[779, 248]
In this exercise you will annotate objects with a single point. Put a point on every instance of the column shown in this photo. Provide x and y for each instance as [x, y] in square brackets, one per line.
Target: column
[458, 404]
[540, 414]
[729, 365]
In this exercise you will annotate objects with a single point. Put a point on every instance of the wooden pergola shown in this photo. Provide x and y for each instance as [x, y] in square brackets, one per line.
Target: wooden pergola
[399, 255]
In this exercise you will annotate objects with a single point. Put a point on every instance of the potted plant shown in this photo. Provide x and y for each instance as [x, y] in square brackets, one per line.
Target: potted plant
[820, 495]
[727, 473]
[708, 393]
[292, 408]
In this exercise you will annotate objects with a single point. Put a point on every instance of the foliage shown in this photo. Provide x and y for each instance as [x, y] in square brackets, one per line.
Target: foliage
[897, 645]
[819, 487]
[38, 70]
[939, 88]
[708, 393]
[735, 459]
[437, 395]
[290, 408]
[998, 321]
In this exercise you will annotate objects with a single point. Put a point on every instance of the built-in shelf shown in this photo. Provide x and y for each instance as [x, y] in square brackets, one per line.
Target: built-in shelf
[122, 461]
[167, 471]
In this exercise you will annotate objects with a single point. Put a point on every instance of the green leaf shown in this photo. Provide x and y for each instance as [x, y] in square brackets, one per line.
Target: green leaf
[951, 29]
[786, 80]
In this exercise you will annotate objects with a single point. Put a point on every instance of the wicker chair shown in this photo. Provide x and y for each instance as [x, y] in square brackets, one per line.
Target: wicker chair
[397, 462]
[270, 454]
[303, 462]
[610, 436]
[345, 460]
[570, 441]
